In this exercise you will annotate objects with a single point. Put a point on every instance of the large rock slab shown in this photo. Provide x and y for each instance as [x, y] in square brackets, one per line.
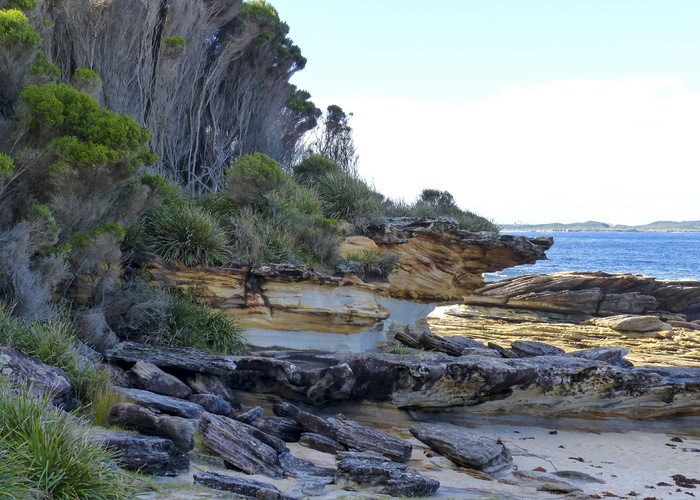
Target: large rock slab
[438, 261]
[230, 440]
[594, 293]
[628, 323]
[362, 473]
[464, 447]
[149, 377]
[137, 418]
[38, 378]
[243, 486]
[185, 359]
[146, 454]
[541, 386]
[163, 404]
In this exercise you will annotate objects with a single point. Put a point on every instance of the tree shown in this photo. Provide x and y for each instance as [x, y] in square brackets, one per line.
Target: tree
[333, 139]
[210, 79]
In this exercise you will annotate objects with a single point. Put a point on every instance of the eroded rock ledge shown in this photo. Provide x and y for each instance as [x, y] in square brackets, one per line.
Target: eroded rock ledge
[436, 262]
[551, 386]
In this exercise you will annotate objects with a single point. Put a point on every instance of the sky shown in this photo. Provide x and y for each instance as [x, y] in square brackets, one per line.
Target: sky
[527, 111]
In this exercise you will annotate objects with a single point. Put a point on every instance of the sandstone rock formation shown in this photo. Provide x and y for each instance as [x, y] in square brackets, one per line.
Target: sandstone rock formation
[436, 262]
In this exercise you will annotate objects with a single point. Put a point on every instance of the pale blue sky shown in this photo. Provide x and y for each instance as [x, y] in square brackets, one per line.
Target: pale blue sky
[525, 110]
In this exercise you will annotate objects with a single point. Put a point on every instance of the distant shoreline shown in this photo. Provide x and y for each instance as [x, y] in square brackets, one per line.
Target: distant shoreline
[602, 227]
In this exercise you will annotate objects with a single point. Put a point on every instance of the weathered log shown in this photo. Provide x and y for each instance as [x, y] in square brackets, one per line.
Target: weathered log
[228, 439]
[408, 338]
[134, 417]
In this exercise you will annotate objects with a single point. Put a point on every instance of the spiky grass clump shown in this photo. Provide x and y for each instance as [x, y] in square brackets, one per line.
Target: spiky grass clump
[54, 343]
[192, 324]
[48, 456]
[186, 233]
[347, 197]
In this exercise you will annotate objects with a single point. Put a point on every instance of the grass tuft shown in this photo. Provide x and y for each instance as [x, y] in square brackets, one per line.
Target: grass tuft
[47, 454]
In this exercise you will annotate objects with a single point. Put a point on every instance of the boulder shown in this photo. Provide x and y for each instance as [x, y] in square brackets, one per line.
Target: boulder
[163, 404]
[630, 323]
[321, 443]
[385, 477]
[305, 469]
[542, 481]
[360, 437]
[149, 377]
[284, 428]
[243, 486]
[212, 403]
[531, 348]
[611, 355]
[137, 418]
[146, 454]
[230, 440]
[40, 379]
[464, 447]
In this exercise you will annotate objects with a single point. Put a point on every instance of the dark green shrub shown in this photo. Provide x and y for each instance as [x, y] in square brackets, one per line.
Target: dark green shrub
[186, 233]
[54, 456]
[251, 177]
[16, 30]
[346, 197]
[313, 167]
[21, 4]
[140, 311]
[436, 203]
[43, 70]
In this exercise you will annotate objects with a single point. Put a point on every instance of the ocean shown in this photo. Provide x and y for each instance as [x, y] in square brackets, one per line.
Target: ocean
[671, 256]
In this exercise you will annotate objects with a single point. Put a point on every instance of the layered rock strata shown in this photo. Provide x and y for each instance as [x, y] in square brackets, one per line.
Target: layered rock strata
[436, 262]
[552, 386]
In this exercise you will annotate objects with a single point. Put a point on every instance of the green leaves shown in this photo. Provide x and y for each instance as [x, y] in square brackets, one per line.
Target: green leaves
[16, 30]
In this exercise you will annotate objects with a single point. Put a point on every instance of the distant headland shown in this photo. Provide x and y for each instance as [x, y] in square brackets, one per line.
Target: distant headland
[590, 226]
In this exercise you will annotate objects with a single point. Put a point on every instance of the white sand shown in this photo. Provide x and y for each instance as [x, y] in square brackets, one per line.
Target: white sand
[630, 462]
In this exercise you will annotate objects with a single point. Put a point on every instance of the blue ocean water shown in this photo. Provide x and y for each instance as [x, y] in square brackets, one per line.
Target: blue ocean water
[673, 256]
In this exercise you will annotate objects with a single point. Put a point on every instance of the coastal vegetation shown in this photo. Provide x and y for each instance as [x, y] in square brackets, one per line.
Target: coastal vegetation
[201, 153]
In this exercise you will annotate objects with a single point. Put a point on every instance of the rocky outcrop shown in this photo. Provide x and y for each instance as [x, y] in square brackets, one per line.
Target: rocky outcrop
[592, 293]
[40, 379]
[656, 320]
[593, 384]
[464, 447]
[436, 262]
